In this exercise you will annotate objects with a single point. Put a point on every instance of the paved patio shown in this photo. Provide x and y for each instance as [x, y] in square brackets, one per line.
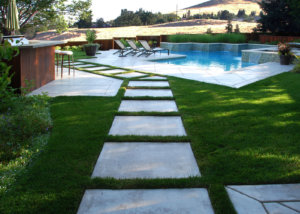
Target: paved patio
[234, 79]
[82, 84]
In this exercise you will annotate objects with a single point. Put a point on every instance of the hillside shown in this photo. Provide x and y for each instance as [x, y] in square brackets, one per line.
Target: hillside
[182, 27]
[214, 6]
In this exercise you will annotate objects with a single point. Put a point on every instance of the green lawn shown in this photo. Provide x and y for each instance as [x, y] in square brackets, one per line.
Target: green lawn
[238, 136]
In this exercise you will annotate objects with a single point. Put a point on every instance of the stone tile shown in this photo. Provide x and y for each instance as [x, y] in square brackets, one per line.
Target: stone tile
[146, 160]
[244, 204]
[293, 205]
[148, 93]
[155, 201]
[149, 84]
[147, 126]
[148, 106]
[154, 78]
[272, 192]
[82, 84]
[95, 68]
[131, 75]
[276, 198]
[115, 71]
[276, 208]
[85, 66]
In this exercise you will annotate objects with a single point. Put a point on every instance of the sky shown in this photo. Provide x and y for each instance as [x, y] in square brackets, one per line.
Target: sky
[111, 9]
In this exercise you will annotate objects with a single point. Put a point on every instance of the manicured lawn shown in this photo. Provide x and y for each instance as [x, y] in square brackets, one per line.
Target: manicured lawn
[238, 136]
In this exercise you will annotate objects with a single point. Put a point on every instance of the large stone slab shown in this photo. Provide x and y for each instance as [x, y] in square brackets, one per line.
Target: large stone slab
[95, 68]
[154, 78]
[115, 71]
[148, 93]
[148, 84]
[276, 208]
[85, 66]
[271, 192]
[146, 160]
[148, 106]
[156, 201]
[274, 198]
[147, 126]
[130, 75]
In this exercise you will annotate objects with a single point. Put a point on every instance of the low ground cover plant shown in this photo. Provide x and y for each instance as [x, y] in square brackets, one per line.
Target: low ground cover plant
[208, 38]
[23, 120]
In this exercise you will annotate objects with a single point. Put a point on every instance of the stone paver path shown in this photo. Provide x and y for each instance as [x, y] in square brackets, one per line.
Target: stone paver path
[154, 78]
[148, 126]
[96, 68]
[148, 84]
[146, 160]
[131, 75]
[148, 93]
[130, 160]
[265, 199]
[85, 66]
[148, 106]
[167, 201]
[115, 71]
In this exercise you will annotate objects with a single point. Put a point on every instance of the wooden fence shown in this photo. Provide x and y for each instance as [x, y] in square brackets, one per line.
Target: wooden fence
[270, 38]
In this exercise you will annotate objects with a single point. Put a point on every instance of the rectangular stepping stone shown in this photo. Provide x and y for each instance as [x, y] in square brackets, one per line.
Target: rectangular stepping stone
[148, 93]
[113, 71]
[85, 66]
[148, 84]
[146, 160]
[275, 198]
[95, 68]
[130, 75]
[154, 201]
[154, 78]
[148, 106]
[147, 126]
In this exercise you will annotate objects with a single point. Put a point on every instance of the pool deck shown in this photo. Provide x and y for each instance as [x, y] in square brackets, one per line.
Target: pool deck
[235, 79]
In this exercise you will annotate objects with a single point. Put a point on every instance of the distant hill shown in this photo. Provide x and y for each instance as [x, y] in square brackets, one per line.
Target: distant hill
[214, 6]
[216, 2]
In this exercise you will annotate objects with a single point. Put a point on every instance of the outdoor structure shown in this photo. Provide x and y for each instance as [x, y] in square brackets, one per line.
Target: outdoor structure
[35, 63]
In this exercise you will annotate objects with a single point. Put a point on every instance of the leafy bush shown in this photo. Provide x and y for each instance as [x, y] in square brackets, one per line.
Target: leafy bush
[125, 43]
[21, 117]
[297, 66]
[284, 49]
[207, 38]
[91, 36]
[27, 117]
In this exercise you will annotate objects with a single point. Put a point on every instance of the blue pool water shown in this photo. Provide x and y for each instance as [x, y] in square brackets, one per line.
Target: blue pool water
[225, 60]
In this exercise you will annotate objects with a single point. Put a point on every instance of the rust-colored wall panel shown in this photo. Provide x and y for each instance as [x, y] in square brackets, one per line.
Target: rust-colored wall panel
[33, 64]
[270, 38]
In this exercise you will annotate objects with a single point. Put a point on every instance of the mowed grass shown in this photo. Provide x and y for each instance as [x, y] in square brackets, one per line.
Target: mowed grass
[243, 136]
[238, 136]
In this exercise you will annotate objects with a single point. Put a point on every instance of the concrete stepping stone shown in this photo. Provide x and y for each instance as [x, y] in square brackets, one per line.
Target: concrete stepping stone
[85, 66]
[148, 84]
[275, 198]
[148, 93]
[147, 126]
[146, 160]
[154, 78]
[131, 75]
[148, 106]
[95, 68]
[155, 201]
[113, 71]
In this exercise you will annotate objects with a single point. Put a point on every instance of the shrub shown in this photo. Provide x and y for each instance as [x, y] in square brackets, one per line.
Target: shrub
[284, 49]
[207, 38]
[91, 36]
[209, 31]
[297, 66]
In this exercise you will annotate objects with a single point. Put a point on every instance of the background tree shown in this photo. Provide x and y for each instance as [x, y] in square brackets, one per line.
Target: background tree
[43, 13]
[280, 17]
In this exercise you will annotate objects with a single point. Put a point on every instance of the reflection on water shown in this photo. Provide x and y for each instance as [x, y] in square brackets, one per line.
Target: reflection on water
[223, 60]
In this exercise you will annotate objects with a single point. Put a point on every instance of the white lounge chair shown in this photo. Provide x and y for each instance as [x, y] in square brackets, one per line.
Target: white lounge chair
[123, 48]
[148, 50]
[134, 49]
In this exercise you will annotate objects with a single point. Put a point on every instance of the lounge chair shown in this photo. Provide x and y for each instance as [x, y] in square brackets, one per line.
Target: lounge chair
[123, 48]
[134, 49]
[148, 50]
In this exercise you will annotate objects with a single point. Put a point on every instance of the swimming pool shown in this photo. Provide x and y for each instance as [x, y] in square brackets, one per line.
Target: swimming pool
[221, 60]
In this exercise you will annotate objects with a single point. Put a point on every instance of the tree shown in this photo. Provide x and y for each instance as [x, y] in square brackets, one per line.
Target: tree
[100, 23]
[35, 13]
[280, 17]
[241, 13]
[225, 15]
[229, 27]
